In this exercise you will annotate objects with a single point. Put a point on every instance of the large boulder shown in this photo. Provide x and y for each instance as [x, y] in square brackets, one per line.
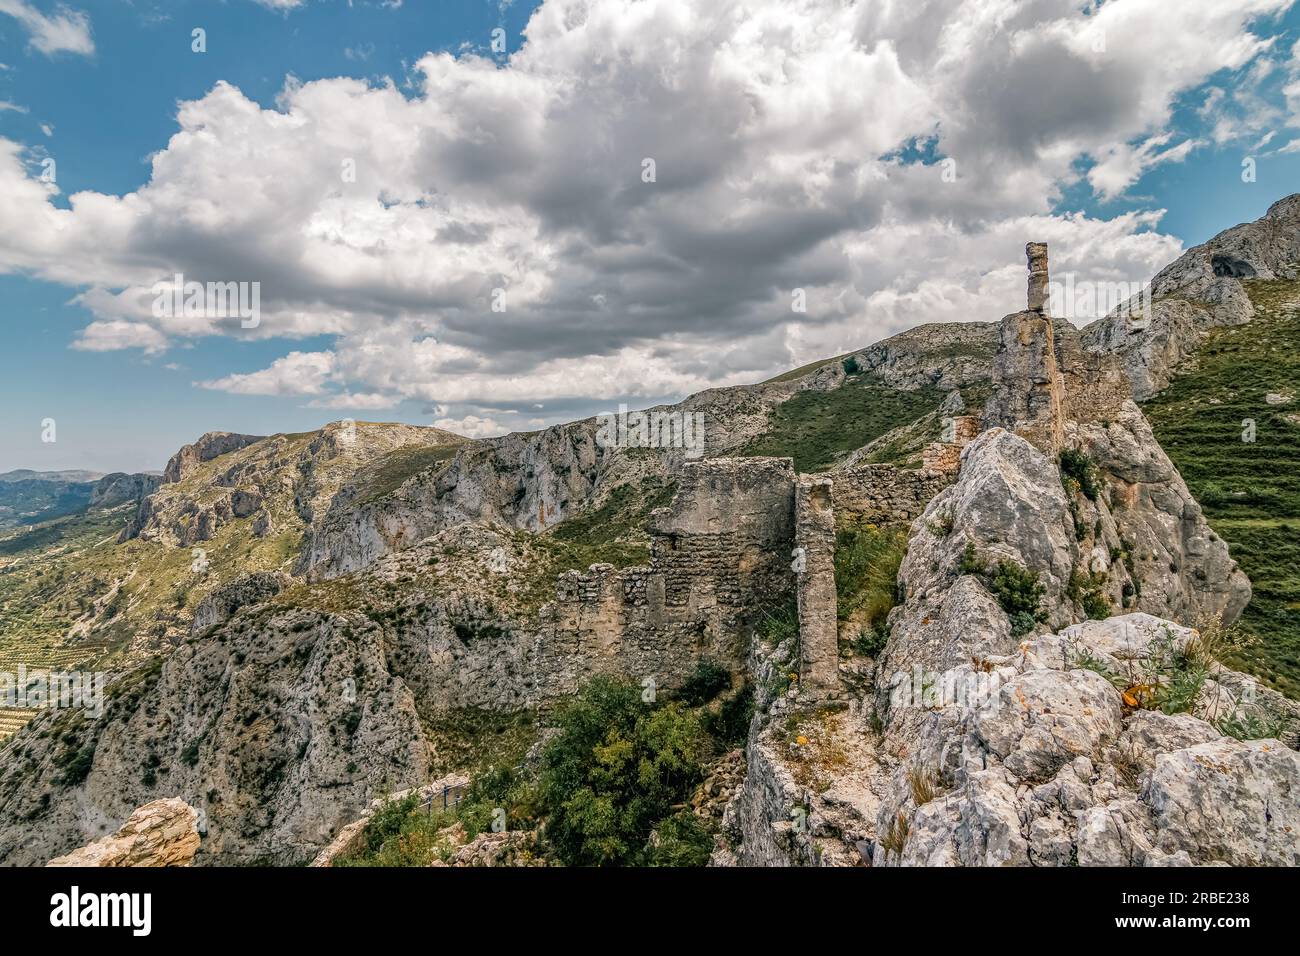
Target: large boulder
[161, 833]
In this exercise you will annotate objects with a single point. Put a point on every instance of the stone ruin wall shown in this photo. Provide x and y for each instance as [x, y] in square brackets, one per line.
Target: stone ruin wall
[720, 554]
[723, 552]
[883, 494]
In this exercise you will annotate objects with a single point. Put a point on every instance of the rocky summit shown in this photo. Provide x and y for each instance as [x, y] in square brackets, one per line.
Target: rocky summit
[943, 601]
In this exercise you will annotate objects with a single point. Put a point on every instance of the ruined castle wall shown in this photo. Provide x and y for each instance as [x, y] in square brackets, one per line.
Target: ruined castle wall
[720, 554]
[884, 493]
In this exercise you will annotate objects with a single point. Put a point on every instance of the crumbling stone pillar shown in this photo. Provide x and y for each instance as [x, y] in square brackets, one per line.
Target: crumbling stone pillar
[819, 674]
[1027, 386]
[1036, 253]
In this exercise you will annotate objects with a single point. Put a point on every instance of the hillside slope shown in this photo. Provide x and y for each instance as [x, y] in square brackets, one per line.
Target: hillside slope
[1230, 421]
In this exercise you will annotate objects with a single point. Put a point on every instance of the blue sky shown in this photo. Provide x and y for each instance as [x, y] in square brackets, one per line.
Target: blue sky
[625, 298]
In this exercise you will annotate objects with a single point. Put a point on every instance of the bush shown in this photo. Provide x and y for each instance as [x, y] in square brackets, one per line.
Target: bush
[708, 681]
[387, 821]
[866, 563]
[1078, 467]
[729, 724]
[498, 787]
[615, 770]
[1088, 591]
[971, 562]
[681, 840]
[1018, 592]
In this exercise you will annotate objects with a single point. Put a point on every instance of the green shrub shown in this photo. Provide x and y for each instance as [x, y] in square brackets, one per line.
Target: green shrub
[867, 558]
[75, 764]
[387, 821]
[971, 563]
[614, 771]
[871, 641]
[1018, 592]
[729, 724]
[1251, 726]
[1076, 466]
[682, 840]
[1089, 591]
[708, 681]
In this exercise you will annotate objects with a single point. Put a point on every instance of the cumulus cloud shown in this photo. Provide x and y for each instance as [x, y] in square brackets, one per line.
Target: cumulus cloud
[1122, 165]
[298, 373]
[495, 239]
[65, 30]
[471, 426]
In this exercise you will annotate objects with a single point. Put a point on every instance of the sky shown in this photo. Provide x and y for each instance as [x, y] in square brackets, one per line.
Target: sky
[496, 216]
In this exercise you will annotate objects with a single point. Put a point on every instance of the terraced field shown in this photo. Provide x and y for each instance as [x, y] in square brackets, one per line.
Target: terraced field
[1231, 423]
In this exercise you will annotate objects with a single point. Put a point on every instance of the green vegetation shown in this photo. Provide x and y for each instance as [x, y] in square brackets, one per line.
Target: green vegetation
[616, 769]
[1248, 489]
[387, 474]
[1019, 593]
[1016, 588]
[1078, 473]
[613, 533]
[817, 428]
[610, 788]
[1089, 591]
[866, 560]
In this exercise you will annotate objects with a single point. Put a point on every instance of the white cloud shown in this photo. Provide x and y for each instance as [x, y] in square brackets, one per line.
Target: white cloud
[367, 400]
[298, 373]
[471, 426]
[64, 31]
[1121, 165]
[779, 132]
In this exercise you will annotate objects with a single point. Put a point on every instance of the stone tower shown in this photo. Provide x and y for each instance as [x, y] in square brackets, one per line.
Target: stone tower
[1027, 386]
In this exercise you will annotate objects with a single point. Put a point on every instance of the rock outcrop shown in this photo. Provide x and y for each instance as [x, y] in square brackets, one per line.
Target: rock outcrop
[161, 833]
[1200, 291]
[209, 446]
[1010, 719]
[120, 488]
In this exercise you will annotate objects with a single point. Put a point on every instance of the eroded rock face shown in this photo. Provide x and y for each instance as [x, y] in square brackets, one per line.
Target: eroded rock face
[1200, 291]
[285, 482]
[120, 488]
[1173, 564]
[1048, 747]
[224, 602]
[211, 445]
[161, 833]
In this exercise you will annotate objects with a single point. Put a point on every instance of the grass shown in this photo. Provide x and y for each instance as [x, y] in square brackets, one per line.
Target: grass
[1248, 489]
[866, 559]
[817, 428]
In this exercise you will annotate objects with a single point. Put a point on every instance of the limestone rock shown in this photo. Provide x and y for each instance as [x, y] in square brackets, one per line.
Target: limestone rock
[212, 445]
[1200, 291]
[161, 833]
[221, 604]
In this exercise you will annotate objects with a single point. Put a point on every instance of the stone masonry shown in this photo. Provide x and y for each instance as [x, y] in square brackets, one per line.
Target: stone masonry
[1042, 375]
[815, 572]
[720, 555]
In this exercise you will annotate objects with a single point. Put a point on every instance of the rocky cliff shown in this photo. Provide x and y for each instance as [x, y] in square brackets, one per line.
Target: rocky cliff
[1200, 291]
[1037, 701]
